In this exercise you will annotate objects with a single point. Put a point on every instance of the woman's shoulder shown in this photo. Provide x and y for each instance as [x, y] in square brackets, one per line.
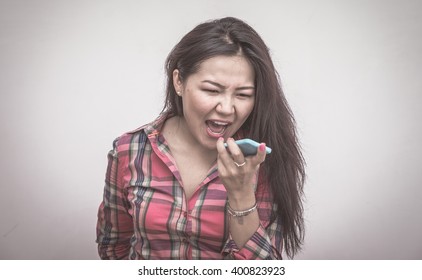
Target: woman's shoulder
[139, 134]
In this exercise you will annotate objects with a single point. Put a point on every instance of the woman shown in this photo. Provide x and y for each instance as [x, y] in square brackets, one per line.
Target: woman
[180, 187]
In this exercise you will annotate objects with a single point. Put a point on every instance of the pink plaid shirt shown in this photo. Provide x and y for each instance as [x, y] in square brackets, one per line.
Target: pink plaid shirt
[145, 214]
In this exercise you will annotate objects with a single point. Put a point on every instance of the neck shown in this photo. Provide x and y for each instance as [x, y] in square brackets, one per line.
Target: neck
[181, 140]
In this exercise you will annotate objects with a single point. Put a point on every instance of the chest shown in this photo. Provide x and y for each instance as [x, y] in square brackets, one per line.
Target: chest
[192, 173]
[177, 213]
[163, 219]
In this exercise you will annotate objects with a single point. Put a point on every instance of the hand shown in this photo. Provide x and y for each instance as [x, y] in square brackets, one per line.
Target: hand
[238, 180]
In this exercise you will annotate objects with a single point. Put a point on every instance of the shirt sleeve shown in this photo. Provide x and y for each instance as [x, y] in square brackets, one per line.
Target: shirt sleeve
[114, 225]
[266, 242]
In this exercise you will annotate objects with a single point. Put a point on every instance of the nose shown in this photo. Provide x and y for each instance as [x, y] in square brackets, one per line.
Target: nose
[225, 105]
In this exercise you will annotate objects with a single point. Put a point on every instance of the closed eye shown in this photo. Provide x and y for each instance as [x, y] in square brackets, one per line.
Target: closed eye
[212, 90]
[245, 95]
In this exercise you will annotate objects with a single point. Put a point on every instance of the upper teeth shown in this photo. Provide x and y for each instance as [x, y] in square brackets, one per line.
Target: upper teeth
[219, 123]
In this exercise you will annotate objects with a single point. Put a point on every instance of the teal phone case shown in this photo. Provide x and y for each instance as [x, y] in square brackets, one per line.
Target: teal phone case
[249, 147]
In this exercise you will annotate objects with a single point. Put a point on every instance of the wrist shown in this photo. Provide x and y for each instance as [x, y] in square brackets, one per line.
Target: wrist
[240, 213]
[241, 201]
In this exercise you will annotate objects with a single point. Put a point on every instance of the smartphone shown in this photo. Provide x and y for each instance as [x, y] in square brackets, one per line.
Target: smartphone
[249, 147]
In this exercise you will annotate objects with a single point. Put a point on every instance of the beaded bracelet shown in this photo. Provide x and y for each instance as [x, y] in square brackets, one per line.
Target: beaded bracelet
[241, 213]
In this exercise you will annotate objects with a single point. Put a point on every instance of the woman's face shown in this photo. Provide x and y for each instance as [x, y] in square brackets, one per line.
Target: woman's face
[217, 99]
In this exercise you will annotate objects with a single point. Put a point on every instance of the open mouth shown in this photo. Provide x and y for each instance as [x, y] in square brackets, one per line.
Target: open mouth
[216, 128]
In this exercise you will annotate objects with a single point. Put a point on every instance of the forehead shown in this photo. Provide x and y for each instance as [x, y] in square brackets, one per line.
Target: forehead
[227, 70]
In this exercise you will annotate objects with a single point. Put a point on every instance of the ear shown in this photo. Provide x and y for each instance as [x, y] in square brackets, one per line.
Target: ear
[177, 82]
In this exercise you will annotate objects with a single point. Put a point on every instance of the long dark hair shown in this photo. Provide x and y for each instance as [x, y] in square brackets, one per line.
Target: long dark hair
[271, 120]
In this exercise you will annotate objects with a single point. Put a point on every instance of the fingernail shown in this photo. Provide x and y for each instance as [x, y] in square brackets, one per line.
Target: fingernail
[262, 147]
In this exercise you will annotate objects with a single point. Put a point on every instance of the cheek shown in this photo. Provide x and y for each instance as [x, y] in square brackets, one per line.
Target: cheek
[200, 104]
[247, 110]
[194, 107]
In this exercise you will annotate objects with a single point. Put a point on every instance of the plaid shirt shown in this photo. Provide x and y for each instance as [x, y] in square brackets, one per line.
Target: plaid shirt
[145, 213]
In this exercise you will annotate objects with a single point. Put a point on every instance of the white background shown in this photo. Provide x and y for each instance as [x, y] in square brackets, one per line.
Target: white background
[76, 74]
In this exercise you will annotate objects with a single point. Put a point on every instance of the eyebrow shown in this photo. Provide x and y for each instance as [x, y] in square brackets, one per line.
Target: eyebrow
[223, 87]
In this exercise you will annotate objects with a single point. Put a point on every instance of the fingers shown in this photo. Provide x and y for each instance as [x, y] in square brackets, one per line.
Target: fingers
[235, 152]
[222, 151]
[236, 171]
